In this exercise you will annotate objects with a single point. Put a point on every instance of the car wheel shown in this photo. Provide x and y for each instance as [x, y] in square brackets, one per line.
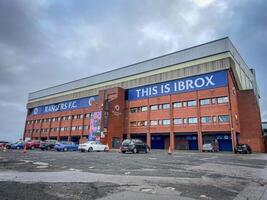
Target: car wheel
[135, 151]
[123, 151]
[106, 149]
[48, 148]
[147, 150]
[82, 150]
[65, 149]
[90, 149]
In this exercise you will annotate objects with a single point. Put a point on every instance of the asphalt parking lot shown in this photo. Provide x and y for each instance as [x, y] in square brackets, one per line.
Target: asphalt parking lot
[111, 175]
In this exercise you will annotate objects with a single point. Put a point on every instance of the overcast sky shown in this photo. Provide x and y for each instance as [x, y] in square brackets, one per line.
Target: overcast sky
[44, 43]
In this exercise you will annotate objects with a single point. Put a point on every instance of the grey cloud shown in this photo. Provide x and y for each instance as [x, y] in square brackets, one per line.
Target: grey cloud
[43, 43]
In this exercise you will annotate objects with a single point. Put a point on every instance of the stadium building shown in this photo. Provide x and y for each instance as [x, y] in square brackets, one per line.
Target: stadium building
[203, 94]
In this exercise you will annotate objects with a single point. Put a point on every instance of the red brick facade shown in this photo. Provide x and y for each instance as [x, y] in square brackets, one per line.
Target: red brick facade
[118, 121]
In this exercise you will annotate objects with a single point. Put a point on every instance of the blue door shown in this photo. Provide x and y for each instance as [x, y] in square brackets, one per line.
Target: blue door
[193, 144]
[157, 142]
[225, 145]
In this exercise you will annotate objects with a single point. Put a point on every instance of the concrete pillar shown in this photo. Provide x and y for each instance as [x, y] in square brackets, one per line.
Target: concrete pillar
[148, 139]
[172, 140]
[199, 134]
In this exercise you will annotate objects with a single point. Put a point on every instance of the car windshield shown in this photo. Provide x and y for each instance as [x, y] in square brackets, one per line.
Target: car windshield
[126, 142]
[207, 145]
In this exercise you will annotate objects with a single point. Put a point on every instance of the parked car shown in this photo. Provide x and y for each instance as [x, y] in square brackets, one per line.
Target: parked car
[4, 144]
[32, 144]
[47, 144]
[134, 146]
[243, 149]
[209, 147]
[93, 146]
[17, 145]
[66, 146]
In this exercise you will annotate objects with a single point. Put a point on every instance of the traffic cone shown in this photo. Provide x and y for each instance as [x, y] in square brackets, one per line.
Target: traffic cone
[169, 151]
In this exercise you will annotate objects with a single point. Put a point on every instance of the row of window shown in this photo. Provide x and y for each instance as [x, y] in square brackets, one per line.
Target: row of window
[191, 103]
[189, 120]
[55, 119]
[55, 129]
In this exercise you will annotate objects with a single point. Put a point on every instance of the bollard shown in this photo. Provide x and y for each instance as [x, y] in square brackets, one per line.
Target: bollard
[169, 151]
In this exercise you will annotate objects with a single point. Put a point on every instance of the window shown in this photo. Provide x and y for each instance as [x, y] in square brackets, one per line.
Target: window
[73, 128]
[177, 105]
[154, 107]
[69, 117]
[144, 108]
[154, 122]
[166, 122]
[185, 120]
[191, 103]
[222, 100]
[224, 118]
[214, 119]
[213, 100]
[204, 102]
[166, 106]
[192, 120]
[142, 123]
[184, 104]
[178, 121]
[205, 120]
[133, 123]
[85, 127]
[62, 129]
[87, 116]
[80, 128]
[133, 110]
[74, 117]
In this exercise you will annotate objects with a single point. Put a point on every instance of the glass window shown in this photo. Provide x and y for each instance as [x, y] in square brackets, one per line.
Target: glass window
[62, 129]
[80, 128]
[178, 121]
[222, 100]
[177, 105]
[154, 122]
[143, 123]
[184, 104]
[73, 128]
[185, 120]
[213, 100]
[133, 110]
[154, 107]
[166, 122]
[224, 118]
[144, 108]
[205, 119]
[133, 123]
[192, 120]
[204, 102]
[214, 119]
[166, 106]
[192, 103]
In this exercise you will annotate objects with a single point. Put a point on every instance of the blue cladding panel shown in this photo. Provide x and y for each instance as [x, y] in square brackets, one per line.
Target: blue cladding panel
[63, 106]
[189, 84]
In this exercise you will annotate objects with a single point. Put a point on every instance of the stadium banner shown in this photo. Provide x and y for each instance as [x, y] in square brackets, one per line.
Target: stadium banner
[64, 106]
[188, 84]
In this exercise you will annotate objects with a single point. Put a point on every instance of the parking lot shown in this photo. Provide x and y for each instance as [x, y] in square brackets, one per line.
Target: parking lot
[112, 175]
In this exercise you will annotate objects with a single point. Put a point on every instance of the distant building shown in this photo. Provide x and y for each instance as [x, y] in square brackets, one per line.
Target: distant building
[203, 94]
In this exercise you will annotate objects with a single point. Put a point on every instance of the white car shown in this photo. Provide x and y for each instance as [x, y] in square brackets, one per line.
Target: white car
[210, 148]
[93, 146]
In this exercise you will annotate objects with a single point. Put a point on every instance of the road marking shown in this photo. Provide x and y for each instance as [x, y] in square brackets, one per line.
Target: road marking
[209, 158]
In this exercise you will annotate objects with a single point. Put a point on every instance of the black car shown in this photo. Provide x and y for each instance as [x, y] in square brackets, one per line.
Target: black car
[47, 144]
[243, 148]
[134, 146]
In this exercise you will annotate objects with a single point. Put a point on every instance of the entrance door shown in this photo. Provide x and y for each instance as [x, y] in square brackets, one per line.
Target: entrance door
[225, 145]
[157, 142]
